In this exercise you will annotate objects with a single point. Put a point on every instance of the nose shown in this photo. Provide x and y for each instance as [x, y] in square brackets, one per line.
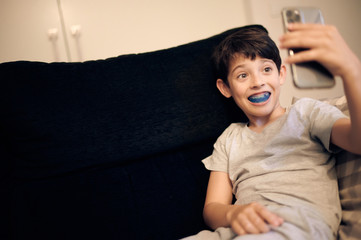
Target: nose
[257, 81]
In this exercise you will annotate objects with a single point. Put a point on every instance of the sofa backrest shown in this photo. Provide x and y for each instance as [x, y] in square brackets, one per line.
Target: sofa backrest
[116, 109]
[65, 126]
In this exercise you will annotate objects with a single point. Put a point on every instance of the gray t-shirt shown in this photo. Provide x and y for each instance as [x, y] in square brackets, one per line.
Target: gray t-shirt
[288, 163]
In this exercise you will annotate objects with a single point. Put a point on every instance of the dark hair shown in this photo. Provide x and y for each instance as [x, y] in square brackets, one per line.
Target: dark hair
[250, 41]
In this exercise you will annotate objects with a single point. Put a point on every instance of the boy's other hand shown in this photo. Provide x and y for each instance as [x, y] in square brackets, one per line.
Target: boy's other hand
[252, 218]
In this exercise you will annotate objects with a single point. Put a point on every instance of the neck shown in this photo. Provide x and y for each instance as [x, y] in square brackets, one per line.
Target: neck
[257, 124]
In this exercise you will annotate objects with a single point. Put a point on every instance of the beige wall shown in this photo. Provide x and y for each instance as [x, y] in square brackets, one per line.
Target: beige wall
[133, 26]
[113, 27]
[110, 27]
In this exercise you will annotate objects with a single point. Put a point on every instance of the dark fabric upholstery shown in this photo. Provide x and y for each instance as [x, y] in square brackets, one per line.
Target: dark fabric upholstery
[109, 149]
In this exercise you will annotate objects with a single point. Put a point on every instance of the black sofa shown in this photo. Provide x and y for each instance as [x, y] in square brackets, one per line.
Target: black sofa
[109, 149]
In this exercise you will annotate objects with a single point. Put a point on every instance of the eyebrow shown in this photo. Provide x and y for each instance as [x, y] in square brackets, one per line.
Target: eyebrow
[238, 66]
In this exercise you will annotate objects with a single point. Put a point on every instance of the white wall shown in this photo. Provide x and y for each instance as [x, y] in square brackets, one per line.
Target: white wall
[114, 27]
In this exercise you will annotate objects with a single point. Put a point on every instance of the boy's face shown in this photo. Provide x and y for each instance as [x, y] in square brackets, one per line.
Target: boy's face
[254, 85]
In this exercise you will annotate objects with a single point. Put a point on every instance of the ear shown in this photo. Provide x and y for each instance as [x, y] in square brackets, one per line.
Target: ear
[224, 88]
[282, 75]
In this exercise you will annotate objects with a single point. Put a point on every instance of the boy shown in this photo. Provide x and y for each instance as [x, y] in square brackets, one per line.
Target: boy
[278, 164]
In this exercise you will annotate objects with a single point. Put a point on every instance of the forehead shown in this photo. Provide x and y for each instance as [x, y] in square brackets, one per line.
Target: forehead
[236, 59]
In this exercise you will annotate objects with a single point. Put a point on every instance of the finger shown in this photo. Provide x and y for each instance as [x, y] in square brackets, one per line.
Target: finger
[306, 26]
[270, 217]
[302, 56]
[248, 226]
[238, 229]
[259, 223]
[308, 34]
[311, 39]
[254, 222]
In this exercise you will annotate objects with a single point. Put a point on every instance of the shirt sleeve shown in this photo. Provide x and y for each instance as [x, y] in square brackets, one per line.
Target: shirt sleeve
[218, 161]
[322, 118]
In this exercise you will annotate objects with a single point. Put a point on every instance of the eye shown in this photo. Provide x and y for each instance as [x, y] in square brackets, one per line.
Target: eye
[267, 69]
[242, 76]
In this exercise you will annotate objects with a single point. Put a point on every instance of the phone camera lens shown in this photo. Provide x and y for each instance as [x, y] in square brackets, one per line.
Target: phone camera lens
[289, 13]
[293, 16]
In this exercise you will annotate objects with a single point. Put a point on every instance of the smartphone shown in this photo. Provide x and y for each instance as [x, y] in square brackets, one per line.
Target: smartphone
[307, 74]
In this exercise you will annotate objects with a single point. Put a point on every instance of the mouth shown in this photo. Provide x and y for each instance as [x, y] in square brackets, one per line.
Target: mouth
[259, 97]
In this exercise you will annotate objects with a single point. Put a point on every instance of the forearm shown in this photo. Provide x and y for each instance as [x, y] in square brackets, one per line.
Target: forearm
[215, 215]
[352, 88]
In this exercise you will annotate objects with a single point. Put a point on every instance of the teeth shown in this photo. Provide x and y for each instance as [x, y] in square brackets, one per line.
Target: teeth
[259, 97]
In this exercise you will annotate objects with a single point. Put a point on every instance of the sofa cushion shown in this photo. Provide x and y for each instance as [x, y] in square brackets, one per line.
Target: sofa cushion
[349, 179]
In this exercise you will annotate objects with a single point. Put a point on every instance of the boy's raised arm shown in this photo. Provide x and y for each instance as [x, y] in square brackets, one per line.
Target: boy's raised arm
[327, 46]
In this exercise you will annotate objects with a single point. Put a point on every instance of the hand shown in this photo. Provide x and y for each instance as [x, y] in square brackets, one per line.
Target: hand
[252, 219]
[325, 45]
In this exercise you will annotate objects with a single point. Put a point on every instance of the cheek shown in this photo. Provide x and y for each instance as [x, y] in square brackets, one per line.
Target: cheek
[238, 89]
[240, 99]
[239, 96]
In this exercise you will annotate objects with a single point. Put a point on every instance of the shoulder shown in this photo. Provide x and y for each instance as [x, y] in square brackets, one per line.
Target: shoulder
[313, 106]
[302, 108]
[316, 114]
[234, 128]
[231, 131]
[306, 102]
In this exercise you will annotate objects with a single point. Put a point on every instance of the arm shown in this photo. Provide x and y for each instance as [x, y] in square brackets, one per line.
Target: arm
[326, 46]
[219, 211]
